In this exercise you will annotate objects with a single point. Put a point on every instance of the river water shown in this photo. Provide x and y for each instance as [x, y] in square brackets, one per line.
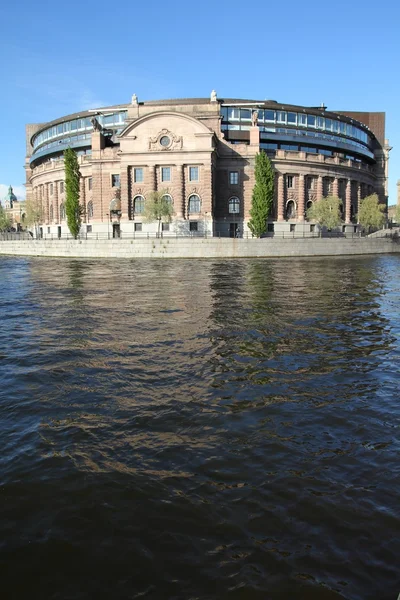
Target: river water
[200, 430]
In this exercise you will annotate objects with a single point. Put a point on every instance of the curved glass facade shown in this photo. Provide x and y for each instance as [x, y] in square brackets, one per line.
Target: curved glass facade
[280, 124]
[73, 131]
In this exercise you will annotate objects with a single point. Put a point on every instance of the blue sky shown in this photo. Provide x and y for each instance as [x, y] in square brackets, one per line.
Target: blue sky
[62, 57]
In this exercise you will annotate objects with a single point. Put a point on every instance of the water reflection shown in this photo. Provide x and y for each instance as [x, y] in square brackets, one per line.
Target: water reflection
[207, 429]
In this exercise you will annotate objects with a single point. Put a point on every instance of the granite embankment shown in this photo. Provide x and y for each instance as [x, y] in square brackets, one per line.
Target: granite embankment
[199, 247]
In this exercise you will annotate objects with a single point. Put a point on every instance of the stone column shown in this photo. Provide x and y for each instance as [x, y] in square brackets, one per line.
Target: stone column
[335, 187]
[125, 191]
[179, 200]
[320, 188]
[281, 197]
[348, 201]
[301, 202]
[55, 201]
[358, 200]
[152, 178]
[82, 195]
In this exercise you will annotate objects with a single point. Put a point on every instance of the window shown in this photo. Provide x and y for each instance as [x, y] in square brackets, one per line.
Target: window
[292, 118]
[165, 226]
[194, 204]
[233, 177]
[281, 117]
[48, 230]
[61, 187]
[138, 205]
[311, 120]
[193, 226]
[234, 206]
[193, 173]
[138, 175]
[115, 181]
[312, 228]
[270, 227]
[62, 212]
[51, 189]
[269, 115]
[165, 173]
[51, 212]
[301, 119]
[289, 181]
[90, 210]
[88, 229]
[167, 198]
[89, 183]
[310, 183]
[292, 227]
[138, 226]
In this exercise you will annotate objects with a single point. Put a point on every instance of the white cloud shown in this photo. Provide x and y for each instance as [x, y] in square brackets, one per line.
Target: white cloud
[19, 191]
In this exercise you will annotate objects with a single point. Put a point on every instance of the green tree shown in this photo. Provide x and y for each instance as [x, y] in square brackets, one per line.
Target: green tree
[33, 213]
[371, 214]
[5, 221]
[397, 214]
[326, 212]
[158, 207]
[73, 209]
[263, 195]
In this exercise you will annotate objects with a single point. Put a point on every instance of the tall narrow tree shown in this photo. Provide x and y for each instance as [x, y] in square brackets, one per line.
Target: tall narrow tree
[73, 209]
[263, 195]
[371, 214]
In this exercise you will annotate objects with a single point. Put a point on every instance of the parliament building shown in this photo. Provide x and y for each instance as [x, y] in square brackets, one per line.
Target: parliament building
[200, 153]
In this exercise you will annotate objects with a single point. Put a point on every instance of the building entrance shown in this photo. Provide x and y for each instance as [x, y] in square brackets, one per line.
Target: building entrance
[116, 230]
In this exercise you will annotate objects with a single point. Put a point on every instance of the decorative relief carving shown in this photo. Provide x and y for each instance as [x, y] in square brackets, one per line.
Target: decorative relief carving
[165, 140]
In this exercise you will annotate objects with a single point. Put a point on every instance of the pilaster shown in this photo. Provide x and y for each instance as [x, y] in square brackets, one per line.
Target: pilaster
[301, 202]
[281, 197]
[348, 202]
[320, 188]
[335, 187]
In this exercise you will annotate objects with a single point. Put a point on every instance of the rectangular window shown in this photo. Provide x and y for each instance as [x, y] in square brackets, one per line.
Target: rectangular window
[310, 183]
[311, 120]
[270, 227]
[89, 183]
[61, 187]
[312, 228]
[281, 116]
[51, 189]
[193, 226]
[321, 122]
[165, 173]
[138, 175]
[289, 181]
[269, 115]
[165, 226]
[88, 229]
[234, 177]
[292, 118]
[328, 124]
[292, 227]
[138, 226]
[115, 181]
[301, 119]
[245, 114]
[48, 230]
[193, 173]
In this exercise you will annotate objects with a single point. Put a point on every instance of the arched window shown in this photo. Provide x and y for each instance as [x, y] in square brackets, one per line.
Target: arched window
[89, 210]
[309, 204]
[138, 205]
[290, 210]
[234, 206]
[194, 204]
[51, 212]
[167, 198]
[62, 212]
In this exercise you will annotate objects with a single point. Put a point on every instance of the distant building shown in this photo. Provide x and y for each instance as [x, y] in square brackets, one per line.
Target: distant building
[14, 208]
[200, 152]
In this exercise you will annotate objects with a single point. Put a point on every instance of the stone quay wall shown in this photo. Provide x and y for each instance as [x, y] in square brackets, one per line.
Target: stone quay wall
[199, 247]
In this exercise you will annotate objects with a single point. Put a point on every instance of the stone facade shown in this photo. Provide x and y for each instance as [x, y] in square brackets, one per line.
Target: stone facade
[204, 161]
